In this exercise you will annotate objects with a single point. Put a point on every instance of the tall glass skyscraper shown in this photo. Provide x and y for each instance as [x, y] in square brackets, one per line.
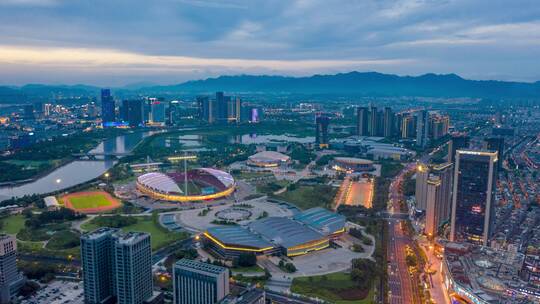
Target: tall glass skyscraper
[473, 212]
[198, 282]
[108, 115]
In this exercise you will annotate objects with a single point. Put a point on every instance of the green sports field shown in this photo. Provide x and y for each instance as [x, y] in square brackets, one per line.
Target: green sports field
[90, 201]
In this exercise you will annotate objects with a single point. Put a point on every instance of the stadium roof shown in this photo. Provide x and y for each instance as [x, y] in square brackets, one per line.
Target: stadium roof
[322, 219]
[269, 156]
[225, 178]
[160, 182]
[284, 231]
[236, 235]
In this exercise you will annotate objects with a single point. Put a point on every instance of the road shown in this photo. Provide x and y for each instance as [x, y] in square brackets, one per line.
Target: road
[403, 287]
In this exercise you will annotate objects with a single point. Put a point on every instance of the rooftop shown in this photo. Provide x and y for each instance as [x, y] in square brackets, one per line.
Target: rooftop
[236, 235]
[200, 266]
[322, 219]
[284, 231]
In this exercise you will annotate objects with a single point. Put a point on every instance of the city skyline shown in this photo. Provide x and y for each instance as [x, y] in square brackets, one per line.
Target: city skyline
[54, 41]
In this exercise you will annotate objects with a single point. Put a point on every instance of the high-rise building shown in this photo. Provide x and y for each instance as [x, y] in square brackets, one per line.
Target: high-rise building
[116, 266]
[457, 142]
[388, 122]
[97, 264]
[124, 110]
[439, 125]
[207, 109]
[422, 128]
[233, 109]
[222, 102]
[496, 144]
[108, 115]
[473, 211]
[133, 267]
[198, 282]
[11, 280]
[438, 197]
[157, 111]
[422, 175]
[408, 126]
[172, 112]
[362, 116]
[135, 116]
[321, 130]
[373, 121]
[47, 109]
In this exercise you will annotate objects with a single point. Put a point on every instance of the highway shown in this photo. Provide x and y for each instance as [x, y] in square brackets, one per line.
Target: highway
[403, 287]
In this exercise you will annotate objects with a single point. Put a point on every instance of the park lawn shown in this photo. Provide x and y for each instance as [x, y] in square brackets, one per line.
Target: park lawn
[305, 197]
[12, 224]
[159, 236]
[335, 287]
[90, 201]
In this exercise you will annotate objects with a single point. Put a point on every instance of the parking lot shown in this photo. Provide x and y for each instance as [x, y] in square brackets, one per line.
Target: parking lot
[58, 292]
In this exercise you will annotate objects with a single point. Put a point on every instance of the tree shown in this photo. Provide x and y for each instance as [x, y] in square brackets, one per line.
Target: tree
[247, 260]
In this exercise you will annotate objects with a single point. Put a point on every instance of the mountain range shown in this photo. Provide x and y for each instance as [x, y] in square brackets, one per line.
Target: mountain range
[353, 83]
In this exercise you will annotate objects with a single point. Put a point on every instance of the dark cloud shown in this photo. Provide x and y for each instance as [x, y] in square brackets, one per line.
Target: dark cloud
[480, 39]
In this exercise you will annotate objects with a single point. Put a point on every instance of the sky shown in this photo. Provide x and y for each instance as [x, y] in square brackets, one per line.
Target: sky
[119, 42]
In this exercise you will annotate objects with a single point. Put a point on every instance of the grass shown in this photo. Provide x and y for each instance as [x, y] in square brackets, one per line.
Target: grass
[305, 197]
[63, 240]
[90, 201]
[335, 288]
[12, 224]
[159, 237]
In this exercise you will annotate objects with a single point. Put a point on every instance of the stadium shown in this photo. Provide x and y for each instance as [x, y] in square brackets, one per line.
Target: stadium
[308, 231]
[352, 164]
[267, 159]
[196, 185]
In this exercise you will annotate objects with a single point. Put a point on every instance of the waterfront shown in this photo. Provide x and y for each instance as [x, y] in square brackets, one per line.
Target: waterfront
[78, 171]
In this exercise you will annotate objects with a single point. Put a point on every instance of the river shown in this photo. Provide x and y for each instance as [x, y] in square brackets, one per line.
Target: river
[76, 172]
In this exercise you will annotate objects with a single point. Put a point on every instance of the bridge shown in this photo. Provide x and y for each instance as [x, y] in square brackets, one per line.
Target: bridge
[93, 155]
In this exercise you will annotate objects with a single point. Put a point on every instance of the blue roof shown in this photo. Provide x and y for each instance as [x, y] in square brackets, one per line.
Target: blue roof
[284, 231]
[325, 221]
[239, 236]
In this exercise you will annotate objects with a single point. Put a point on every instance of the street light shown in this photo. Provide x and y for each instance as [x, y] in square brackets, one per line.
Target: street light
[58, 181]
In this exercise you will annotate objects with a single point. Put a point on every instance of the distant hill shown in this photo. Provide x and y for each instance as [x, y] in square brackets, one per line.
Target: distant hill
[365, 84]
[41, 92]
[353, 83]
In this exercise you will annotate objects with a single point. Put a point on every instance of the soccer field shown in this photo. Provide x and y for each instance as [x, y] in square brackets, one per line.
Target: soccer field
[90, 201]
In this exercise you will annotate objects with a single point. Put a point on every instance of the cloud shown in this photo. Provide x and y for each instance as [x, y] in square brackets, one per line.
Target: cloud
[472, 38]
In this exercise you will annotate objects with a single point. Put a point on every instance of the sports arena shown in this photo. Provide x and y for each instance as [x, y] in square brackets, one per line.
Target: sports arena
[308, 231]
[196, 185]
[268, 159]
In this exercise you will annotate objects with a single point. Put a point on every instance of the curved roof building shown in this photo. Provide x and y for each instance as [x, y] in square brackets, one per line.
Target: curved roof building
[268, 159]
[352, 164]
[204, 184]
